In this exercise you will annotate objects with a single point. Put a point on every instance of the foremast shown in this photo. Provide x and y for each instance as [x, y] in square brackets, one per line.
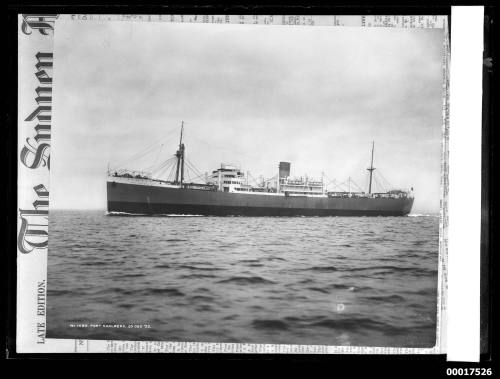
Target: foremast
[371, 169]
[180, 160]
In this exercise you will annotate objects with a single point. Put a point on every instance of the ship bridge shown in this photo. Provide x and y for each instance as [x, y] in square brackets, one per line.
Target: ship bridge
[227, 178]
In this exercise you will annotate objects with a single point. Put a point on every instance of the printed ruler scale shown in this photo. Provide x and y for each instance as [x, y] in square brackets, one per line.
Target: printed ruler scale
[356, 21]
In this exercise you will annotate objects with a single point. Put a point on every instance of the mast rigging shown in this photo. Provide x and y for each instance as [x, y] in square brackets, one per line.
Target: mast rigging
[371, 168]
[180, 159]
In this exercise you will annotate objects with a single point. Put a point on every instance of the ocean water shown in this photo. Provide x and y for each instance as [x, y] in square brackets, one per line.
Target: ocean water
[357, 281]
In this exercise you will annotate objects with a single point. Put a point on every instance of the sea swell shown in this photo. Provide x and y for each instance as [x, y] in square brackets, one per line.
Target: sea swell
[305, 280]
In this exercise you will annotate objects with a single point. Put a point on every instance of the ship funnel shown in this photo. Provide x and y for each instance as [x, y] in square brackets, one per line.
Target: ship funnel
[284, 169]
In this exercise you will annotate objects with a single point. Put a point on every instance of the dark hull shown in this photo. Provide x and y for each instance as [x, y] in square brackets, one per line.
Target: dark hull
[151, 200]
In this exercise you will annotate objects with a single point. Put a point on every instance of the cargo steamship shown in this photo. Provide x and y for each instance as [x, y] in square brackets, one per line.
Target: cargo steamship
[226, 192]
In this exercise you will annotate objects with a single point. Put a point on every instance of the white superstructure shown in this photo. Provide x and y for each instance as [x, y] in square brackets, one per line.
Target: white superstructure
[227, 178]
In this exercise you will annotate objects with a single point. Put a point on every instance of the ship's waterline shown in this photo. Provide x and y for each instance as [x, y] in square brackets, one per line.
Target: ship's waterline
[150, 199]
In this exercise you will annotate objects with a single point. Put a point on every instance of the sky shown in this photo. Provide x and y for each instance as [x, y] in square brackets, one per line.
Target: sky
[249, 95]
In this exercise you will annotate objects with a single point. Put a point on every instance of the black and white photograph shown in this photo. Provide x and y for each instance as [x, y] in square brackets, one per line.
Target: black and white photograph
[257, 184]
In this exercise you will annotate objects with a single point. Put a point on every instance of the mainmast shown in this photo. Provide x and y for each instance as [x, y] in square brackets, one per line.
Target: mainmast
[371, 168]
[180, 159]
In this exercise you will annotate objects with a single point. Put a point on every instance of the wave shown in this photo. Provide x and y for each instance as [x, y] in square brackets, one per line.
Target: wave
[79, 246]
[98, 263]
[424, 291]
[189, 267]
[390, 268]
[270, 324]
[394, 299]
[348, 287]
[318, 289]
[165, 291]
[201, 298]
[134, 269]
[246, 280]
[141, 292]
[275, 259]
[197, 276]
[344, 324]
[52, 292]
[126, 305]
[393, 268]
[230, 317]
[116, 213]
[205, 308]
[129, 276]
[355, 324]
[323, 268]
[162, 266]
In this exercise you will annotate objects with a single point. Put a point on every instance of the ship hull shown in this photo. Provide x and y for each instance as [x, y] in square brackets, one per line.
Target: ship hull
[153, 200]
